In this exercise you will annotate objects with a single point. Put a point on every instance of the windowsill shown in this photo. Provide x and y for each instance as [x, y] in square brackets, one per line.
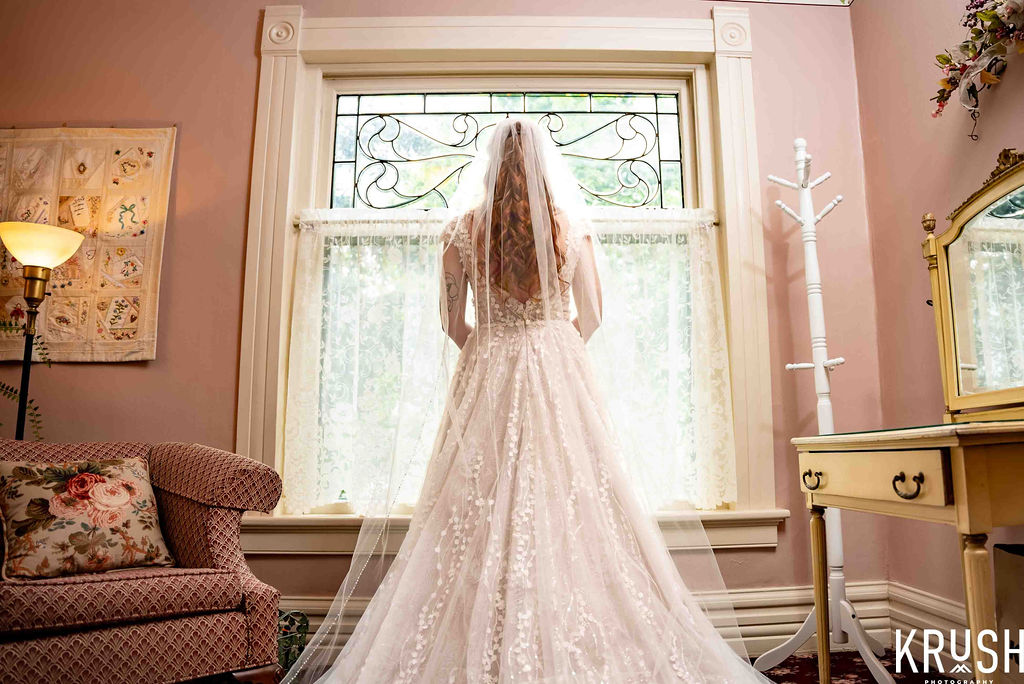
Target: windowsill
[335, 534]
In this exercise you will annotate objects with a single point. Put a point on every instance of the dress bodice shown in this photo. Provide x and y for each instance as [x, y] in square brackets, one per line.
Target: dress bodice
[497, 307]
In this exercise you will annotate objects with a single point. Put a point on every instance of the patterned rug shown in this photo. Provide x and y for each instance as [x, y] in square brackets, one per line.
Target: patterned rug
[847, 668]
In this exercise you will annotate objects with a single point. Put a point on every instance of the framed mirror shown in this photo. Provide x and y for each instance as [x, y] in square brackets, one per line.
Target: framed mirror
[977, 274]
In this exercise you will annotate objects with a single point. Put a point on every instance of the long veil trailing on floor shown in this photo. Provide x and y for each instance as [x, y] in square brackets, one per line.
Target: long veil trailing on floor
[524, 500]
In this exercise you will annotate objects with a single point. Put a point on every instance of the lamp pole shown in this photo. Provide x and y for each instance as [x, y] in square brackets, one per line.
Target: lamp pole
[36, 278]
[26, 370]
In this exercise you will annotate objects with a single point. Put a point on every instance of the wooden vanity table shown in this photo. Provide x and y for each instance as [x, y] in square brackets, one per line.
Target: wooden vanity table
[962, 474]
[967, 472]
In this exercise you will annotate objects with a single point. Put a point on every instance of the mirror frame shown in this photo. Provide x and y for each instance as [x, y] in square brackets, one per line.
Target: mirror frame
[1000, 404]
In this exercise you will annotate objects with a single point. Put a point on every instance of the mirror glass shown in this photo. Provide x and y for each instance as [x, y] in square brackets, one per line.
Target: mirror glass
[986, 275]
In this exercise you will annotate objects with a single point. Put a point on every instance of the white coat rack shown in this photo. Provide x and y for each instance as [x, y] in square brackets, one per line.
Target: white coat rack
[844, 624]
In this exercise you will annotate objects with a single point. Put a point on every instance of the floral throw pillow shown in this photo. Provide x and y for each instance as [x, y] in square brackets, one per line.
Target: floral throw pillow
[80, 516]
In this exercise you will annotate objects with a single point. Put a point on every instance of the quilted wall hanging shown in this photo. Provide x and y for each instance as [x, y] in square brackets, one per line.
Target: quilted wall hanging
[111, 184]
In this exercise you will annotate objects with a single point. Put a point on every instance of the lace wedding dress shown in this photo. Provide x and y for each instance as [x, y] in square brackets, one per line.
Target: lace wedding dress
[528, 557]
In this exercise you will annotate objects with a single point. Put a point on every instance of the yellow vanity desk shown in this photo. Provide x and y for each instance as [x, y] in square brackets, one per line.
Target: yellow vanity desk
[969, 471]
[963, 474]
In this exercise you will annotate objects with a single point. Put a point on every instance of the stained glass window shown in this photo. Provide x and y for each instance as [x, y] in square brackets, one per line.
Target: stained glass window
[409, 149]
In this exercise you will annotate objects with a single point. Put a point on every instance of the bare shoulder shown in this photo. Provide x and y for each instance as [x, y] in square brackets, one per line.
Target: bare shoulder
[454, 226]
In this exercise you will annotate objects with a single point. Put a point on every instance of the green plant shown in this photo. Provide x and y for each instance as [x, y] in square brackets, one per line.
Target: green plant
[39, 348]
[33, 416]
[292, 629]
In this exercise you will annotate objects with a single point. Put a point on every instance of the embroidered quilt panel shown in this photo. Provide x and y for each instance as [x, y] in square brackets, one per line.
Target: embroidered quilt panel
[111, 185]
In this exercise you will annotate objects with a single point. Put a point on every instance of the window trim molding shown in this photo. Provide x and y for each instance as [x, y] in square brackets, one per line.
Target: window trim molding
[297, 53]
[336, 534]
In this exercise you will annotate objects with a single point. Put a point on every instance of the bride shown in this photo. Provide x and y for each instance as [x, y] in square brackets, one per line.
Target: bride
[528, 557]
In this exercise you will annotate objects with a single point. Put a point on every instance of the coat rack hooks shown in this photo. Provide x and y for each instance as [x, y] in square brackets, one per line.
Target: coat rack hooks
[844, 625]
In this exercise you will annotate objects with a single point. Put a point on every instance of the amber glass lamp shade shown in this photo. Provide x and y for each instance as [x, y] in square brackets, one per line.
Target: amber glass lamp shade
[37, 244]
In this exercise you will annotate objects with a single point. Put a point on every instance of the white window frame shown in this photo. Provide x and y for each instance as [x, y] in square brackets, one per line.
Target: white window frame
[301, 57]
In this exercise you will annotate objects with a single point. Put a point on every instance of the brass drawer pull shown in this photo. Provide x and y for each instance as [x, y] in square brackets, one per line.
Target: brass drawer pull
[902, 477]
[816, 474]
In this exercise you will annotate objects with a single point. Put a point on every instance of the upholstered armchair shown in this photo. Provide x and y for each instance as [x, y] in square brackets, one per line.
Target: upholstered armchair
[205, 616]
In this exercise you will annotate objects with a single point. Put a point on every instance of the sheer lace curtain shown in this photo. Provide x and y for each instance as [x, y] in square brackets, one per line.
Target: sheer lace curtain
[665, 363]
[365, 344]
[995, 268]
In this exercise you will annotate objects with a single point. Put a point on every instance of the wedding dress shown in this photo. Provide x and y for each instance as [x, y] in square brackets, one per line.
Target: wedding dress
[528, 558]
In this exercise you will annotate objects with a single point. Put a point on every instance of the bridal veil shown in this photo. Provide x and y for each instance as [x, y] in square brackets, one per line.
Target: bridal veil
[517, 253]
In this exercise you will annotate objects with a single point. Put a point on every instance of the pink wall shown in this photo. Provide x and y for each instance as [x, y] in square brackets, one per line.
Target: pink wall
[804, 86]
[195, 63]
[916, 164]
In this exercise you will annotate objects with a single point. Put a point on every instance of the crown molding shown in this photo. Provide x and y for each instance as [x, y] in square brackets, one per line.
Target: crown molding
[824, 3]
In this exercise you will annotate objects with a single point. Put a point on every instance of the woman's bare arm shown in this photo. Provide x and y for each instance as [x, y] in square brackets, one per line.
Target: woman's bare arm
[454, 292]
[586, 291]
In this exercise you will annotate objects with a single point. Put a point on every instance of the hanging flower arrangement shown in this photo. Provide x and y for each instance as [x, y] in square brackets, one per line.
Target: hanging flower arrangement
[995, 28]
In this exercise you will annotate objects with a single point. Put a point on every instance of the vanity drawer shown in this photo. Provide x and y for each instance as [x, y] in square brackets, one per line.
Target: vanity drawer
[876, 475]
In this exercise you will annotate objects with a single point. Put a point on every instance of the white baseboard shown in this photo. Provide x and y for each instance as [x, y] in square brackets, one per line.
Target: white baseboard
[768, 616]
[911, 608]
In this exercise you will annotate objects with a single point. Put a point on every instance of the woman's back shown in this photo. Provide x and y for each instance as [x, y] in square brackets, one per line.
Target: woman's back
[518, 242]
[511, 300]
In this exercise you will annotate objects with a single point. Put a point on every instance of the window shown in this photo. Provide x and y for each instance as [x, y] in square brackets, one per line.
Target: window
[409, 149]
[406, 151]
[305, 62]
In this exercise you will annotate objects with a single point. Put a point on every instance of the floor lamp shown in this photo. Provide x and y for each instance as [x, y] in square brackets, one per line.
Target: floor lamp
[40, 248]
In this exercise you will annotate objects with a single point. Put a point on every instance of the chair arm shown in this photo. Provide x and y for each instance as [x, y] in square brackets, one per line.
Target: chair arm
[214, 477]
[261, 604]
[201, 536]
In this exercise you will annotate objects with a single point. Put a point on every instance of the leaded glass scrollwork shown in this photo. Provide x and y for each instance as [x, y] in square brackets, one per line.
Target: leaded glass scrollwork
[409, 150]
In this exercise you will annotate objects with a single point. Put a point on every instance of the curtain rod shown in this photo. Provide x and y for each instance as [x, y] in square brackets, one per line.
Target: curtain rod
[297, 221]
